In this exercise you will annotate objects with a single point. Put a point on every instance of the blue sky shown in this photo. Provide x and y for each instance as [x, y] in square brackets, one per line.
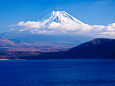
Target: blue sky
[92, 12]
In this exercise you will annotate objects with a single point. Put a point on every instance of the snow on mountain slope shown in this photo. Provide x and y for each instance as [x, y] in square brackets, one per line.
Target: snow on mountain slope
[60, 17]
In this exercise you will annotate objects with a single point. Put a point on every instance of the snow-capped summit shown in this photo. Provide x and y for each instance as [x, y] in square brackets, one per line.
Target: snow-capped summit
[57, 22]
[60, 17]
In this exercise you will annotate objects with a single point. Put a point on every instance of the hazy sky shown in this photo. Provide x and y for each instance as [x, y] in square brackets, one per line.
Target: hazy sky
[92, 12]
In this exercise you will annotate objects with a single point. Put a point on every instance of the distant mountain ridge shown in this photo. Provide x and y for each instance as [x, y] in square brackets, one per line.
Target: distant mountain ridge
[56, 42]
[100, 48]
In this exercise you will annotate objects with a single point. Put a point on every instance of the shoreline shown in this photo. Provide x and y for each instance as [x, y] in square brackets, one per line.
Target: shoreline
[53, 59]
[12, 59]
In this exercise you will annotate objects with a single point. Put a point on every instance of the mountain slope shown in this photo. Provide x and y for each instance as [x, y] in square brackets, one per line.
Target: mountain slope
[60, 17]
[97, 48]
[5, 42]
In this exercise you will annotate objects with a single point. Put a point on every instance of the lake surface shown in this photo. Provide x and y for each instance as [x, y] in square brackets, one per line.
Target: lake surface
[79, 72]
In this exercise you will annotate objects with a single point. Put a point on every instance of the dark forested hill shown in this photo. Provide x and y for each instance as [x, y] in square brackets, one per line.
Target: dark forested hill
[96, 48]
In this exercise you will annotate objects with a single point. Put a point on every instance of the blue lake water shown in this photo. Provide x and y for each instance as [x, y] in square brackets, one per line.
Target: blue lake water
[79, 72]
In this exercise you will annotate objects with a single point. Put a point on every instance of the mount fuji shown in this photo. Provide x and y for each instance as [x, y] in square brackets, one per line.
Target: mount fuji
[60, 17]
[49, 34]
[57, 22]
